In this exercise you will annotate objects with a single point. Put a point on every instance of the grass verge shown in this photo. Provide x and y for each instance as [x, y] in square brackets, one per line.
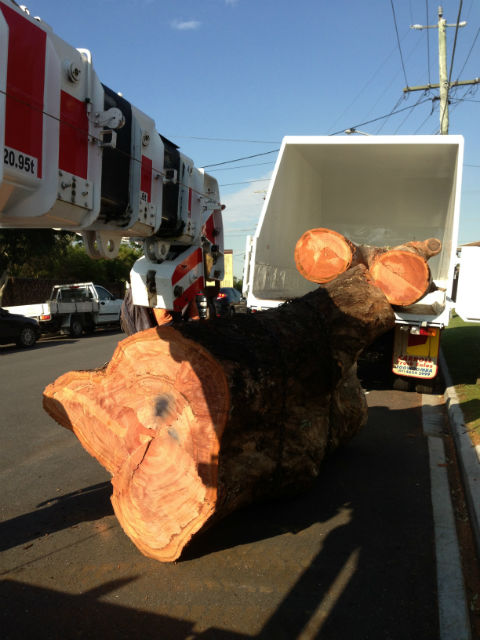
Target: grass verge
[461, 348]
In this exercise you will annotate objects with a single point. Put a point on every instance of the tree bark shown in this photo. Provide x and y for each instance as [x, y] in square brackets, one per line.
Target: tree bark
[402, 272]
[198, 419]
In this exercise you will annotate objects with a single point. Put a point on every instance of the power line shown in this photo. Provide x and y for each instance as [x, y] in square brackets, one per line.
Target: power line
[255, 155]
[469, 53]
[244, 166]
[432, 111]
[398, 42]
[225, 139]
[407, 116]
[363, 88]
[241, 230]
[455, 41]
[428, 43]
[392, 113]
[231, 184]
[393, 79]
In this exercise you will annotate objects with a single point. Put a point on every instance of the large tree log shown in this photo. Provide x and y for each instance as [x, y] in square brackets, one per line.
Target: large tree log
[197, 419]
[402, 272]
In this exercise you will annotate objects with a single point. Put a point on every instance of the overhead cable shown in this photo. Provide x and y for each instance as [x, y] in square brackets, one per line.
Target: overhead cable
[392, 113]
[244, 166]
[428, 42]
[255, 155]
[374, 75]
[226, 139]
[398, 42]
[231, 184]
[455, 40]
[469, 54]
[408, 115]
[393, 110]
[432, 111]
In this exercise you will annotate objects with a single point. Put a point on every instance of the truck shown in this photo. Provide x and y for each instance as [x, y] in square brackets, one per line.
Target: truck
[374, 190]
[79, 156]
[73, 309]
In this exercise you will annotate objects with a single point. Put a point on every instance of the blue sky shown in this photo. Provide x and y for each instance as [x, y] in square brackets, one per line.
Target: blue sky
[227, 79]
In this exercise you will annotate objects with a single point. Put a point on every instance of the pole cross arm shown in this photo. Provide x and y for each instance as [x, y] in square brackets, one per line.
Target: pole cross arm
[457, 83]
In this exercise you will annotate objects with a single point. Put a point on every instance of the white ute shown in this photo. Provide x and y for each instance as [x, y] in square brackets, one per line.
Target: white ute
[73, 309]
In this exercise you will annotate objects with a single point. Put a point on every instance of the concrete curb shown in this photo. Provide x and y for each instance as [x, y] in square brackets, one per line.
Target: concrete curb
[468, 454]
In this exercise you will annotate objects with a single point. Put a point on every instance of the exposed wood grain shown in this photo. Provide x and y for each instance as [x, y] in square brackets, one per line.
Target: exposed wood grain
[401, 272]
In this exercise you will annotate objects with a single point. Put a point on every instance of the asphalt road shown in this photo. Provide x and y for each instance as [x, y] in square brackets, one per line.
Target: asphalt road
[352, 558]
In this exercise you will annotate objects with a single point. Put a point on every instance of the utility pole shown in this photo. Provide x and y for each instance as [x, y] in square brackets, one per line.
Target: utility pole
[442, 71]
[443, 82]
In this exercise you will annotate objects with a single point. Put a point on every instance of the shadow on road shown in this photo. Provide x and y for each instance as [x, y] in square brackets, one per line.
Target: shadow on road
[36, 612]
[372, 575]
[57, 513]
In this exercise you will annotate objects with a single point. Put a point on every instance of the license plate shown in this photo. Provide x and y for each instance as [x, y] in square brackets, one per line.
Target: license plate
[415, 356]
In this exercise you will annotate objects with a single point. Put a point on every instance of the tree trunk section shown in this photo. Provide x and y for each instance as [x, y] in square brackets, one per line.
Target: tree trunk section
[198, 419]
[402, 272]
[323, 254]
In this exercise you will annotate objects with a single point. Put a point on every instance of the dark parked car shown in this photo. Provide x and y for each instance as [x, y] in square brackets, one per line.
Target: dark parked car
[228, 302]
[19, 329]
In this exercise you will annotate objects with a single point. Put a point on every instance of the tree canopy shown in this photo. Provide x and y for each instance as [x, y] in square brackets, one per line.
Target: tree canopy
[46, 253]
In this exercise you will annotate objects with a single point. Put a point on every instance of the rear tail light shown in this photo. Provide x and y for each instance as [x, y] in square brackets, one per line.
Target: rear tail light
[221, 296]
[45, 316]
[423, 331]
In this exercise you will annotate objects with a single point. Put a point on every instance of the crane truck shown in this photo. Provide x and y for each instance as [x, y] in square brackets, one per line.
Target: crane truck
[375, 190]
[78, 156]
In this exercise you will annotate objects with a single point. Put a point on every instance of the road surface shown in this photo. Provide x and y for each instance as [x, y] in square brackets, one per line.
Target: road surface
[352, 558]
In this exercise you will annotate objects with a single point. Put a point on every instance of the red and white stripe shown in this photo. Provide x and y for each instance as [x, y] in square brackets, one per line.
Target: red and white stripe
[189, 276]
[25, 86]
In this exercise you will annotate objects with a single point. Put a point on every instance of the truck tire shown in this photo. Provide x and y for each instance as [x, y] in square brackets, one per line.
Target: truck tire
[402, 384]
[27, 337]
[76, 327]
[432, 387]
[89, 326]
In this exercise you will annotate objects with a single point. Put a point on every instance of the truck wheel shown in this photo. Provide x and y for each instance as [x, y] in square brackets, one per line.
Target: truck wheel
[433, 387]
[89, 326]
[76, 328]
[27, 337]
[402, 384]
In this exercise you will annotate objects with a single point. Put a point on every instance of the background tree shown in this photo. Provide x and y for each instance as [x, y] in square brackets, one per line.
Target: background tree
[59, 255]
[238, 283]
[31, 253]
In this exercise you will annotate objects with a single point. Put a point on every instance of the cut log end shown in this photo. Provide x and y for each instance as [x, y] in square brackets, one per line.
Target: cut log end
[134, 416]
[401, 275]
[322, 254]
